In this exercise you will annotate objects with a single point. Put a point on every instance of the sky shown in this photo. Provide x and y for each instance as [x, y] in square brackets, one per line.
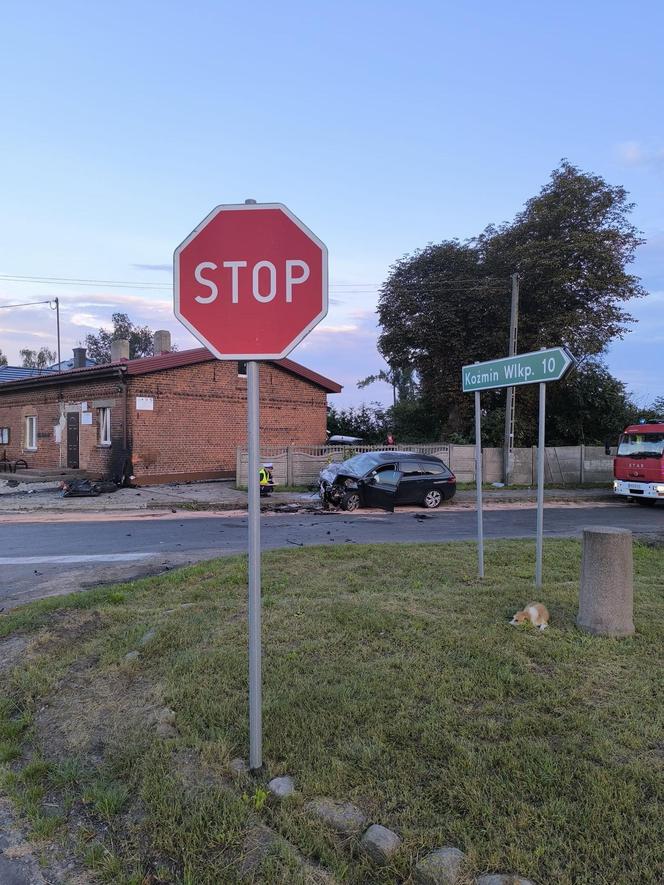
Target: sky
[383, 125]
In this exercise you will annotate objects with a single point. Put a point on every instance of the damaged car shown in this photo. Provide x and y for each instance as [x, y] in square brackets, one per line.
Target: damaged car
[384, 479]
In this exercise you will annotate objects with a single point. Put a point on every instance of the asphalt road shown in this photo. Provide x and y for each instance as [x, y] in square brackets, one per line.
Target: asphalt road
[43, 558]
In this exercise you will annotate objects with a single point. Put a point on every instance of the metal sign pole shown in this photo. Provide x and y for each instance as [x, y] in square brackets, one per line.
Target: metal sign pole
[253, 486]
[478, 483]
[540, 485]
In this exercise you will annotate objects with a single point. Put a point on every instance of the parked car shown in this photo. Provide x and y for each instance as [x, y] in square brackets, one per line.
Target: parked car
[383, 479]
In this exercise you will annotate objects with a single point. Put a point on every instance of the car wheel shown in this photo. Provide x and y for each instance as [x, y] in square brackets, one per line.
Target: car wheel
[432, 499]
[350, 501]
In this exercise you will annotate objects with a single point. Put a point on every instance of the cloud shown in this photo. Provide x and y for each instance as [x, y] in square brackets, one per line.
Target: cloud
[86, 319]
[335, 330]
[7, 330]
[159, 267]
[81, 313]
[633, 153]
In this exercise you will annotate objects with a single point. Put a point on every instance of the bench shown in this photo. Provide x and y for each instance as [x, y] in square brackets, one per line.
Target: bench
[7, 466]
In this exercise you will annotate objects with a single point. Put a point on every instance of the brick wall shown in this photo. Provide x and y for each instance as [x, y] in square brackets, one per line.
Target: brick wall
[196, 421]
[51, 405]
[199, 416]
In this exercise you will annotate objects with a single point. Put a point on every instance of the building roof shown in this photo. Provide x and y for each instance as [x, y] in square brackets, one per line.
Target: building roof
[172, 360]
[17, 373]
[66, 365]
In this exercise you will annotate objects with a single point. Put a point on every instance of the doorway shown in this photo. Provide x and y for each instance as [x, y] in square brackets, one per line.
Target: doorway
[72, 440]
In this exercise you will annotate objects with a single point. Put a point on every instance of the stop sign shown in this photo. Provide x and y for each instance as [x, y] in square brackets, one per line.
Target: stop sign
[250, 281]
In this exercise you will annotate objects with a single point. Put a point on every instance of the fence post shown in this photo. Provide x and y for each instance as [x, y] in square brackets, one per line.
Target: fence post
[290, 481]
[582, 464]
[451, 457]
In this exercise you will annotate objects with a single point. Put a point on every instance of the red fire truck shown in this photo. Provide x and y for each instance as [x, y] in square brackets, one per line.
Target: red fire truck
[638, 468]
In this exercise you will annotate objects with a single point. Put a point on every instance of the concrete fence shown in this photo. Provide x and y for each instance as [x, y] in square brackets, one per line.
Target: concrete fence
[563, 465]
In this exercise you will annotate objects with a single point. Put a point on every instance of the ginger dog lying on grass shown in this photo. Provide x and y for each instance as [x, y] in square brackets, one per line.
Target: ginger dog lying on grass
[534, 612]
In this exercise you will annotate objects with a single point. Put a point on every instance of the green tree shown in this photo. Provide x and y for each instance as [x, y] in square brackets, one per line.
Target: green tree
[140, 339]
[3, 359]
[402, 381]
[448, 304]
[369, 422]
[657, 408]
[36, 359]
[588, 406]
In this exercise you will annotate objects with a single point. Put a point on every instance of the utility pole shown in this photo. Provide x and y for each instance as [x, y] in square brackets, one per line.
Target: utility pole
[510, 401]
[57, 320]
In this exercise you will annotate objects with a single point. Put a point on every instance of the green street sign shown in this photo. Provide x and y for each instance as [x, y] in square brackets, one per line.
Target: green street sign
[524, 368]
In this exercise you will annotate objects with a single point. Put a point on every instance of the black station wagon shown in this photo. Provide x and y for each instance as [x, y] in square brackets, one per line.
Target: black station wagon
[383, 479]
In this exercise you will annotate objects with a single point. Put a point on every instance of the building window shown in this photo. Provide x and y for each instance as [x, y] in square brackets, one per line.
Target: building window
[105, 426]
[31, 432]
[4, 436]
[242, 369]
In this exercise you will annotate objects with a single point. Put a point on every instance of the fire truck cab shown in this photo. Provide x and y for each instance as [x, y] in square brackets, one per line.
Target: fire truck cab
[638, 468]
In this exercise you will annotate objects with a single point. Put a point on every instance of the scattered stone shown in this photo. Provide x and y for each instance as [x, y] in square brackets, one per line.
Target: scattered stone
[313, 875]
[257, 845]
[440, 867]
[238, 766]
[147, 638]
[166, 730]
[16, 873]
[503, 879]
[131, 656]
[281, 787]
[50, 809]
[166, 715]
[380, 843]
[346, 819]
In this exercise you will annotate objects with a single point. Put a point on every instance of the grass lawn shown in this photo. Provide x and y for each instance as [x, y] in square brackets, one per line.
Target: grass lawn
[391, 679]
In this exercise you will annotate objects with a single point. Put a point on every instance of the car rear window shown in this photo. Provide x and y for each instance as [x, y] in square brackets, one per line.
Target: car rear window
[430, 468]
[411, 468]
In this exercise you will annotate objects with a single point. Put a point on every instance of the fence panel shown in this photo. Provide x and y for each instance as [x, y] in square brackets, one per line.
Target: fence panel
[563, 465]
[597, 465]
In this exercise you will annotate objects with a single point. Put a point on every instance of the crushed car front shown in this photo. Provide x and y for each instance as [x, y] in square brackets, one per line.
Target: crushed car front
[338, 477]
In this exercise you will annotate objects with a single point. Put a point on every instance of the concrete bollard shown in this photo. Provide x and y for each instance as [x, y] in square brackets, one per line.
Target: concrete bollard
[606, 598]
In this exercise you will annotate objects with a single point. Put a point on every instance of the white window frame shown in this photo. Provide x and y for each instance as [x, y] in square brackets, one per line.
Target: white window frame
[104, 417]
[5, 436]
[31, 433]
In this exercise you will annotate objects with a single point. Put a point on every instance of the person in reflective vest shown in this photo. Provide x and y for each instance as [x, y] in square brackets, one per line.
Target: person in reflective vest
[265, 479]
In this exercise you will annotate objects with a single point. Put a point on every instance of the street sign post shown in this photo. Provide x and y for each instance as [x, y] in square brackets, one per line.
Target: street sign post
[538, 367]
[250, 282]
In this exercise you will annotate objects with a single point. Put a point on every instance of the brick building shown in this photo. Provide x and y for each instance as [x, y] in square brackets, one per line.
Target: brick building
[175, 415]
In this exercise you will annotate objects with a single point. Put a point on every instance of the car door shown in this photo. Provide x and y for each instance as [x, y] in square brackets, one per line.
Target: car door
[380, 489]
[410, 488]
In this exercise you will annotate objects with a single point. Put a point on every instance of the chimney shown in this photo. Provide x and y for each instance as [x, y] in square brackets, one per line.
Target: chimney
[79, 358]
[162, 342]
[119, 349]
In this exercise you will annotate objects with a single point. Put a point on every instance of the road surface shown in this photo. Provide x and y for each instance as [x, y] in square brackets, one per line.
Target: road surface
[41, 558]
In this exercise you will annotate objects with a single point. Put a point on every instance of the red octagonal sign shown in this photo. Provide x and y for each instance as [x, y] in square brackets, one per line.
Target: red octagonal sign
[250, 281]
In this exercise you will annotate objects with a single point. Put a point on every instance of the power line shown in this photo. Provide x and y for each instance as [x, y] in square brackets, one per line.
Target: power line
[484, 284]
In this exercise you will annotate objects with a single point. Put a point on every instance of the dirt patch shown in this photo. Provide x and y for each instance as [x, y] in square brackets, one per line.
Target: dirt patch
[23, 861]
[92, 712]
[196, 776]
[11, 651]
[65, 627]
